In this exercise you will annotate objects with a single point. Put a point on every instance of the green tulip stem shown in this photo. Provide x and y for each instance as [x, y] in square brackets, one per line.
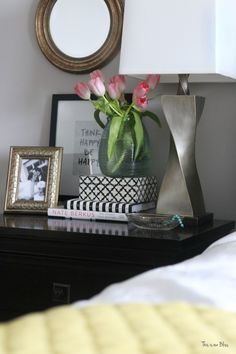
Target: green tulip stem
[128, 110]
[112, 107]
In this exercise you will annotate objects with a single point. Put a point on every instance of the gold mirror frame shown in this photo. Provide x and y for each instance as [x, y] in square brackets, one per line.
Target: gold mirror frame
[85, 64]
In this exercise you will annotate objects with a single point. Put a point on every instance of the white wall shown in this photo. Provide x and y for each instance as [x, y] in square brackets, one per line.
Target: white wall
[27, 81]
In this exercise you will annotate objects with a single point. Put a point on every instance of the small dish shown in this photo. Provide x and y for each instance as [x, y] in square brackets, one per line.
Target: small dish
[154, 221]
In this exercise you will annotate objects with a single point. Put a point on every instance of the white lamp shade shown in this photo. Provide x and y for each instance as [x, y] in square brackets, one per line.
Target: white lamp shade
[171, 37]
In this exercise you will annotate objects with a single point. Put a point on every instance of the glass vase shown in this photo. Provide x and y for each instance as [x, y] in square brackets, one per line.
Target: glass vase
[123, 162]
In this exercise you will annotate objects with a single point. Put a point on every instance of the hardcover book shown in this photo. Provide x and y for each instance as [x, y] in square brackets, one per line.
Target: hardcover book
[86, 214]
[114, 207]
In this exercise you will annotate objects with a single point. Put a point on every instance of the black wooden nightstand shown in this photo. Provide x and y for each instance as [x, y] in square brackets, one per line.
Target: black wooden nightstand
[46, 262]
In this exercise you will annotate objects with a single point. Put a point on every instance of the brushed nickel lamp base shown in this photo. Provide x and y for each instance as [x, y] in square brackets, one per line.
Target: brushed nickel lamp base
[181, 191]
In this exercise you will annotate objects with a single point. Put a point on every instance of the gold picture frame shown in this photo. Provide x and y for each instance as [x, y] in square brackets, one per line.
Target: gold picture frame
[33, 179]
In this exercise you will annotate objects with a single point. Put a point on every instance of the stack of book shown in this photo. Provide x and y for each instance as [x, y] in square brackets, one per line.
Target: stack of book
[113, 211]
[116, 204]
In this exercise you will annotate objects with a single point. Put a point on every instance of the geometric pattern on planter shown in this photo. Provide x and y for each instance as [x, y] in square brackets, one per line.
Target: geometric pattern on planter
[118, 189]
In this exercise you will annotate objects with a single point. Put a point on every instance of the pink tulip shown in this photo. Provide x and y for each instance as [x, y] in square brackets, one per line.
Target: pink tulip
[153, 81]
[113, 91]
[122, 83]
[97, 86]
[97, 74]
[82, 90]
[141, 102]
[116, 86]
[119, 81]
[141, 89]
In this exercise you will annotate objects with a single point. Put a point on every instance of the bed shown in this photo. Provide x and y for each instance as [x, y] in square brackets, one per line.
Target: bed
[186, 308]
[208, 279]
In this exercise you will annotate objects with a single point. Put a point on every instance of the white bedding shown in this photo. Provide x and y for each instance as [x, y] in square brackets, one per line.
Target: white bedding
[208, 279]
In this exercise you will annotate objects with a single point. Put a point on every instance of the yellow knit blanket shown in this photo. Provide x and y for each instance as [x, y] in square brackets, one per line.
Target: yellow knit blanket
[121, 329]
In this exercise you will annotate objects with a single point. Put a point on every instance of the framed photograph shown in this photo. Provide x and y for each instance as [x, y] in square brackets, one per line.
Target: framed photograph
[74, 128]
[33, 179]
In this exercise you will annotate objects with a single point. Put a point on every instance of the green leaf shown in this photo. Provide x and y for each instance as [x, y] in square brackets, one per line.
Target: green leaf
[115, 126]
[153, 116]
[97, 118]
[139, 133]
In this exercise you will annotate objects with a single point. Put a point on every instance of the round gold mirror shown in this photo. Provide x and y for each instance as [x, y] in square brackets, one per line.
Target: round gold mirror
[79, 35]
